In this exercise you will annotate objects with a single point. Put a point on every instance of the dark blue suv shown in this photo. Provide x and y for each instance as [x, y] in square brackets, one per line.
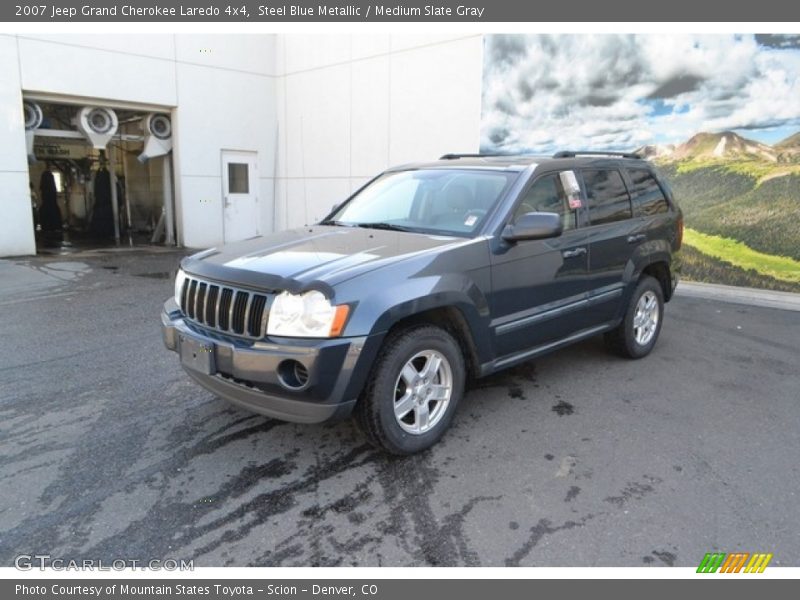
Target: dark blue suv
[430, 275]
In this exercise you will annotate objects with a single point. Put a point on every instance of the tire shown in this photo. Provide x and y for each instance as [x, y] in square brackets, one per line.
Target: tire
[630, 339]
[413, 370]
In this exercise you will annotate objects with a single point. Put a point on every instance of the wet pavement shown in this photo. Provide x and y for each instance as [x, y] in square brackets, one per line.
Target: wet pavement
[107, 450]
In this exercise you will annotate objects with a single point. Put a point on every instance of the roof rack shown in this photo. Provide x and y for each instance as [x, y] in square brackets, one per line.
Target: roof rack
[455, 156]
[574, 153]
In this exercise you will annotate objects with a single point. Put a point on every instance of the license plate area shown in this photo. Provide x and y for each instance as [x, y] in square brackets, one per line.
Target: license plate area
[196, 354]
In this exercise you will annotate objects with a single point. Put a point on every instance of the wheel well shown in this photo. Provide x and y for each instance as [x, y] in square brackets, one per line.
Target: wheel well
[660, 271]
[452, 320]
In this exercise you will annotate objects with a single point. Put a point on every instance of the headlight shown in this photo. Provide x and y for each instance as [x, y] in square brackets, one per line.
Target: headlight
[306, 315]
[180, 277]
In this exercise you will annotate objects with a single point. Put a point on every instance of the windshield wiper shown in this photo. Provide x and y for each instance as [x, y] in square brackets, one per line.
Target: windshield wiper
[336, 223]
[383, 225]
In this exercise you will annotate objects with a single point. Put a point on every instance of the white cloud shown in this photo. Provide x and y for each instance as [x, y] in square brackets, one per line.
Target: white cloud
[543, 92]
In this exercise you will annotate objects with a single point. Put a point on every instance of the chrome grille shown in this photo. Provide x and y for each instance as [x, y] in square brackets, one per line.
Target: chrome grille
[224, 308]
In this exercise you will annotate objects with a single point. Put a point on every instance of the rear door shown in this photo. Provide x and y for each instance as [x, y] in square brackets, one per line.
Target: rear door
[538, 286]
[613, 235]
[650, 205]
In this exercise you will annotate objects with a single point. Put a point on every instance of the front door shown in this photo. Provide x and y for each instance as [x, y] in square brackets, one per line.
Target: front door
[539, 286]
[239, 195]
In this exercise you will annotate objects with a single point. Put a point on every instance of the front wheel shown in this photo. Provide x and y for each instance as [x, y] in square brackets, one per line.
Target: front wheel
[413, 391]
[638, 332]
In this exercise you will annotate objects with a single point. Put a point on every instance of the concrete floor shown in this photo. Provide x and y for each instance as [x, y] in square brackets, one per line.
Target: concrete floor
[107, 450]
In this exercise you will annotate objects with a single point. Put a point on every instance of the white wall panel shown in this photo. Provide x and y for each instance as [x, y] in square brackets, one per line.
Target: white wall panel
[370, 45]
[296, 208]
[281, 206]
[156, 45]
[16, 222]
[405, 41]
[201, 211]
[318, 122]
[435, 101]
[242, 52]
[370, 116]
[416, 98]
[266, 200]
[12, 125]
[310, 51]
[223, 109]
[66, 69]
[220, 110]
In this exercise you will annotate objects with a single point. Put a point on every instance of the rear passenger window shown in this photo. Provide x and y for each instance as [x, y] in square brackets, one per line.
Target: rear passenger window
[547, 195]
[607, 195]
[648, 197]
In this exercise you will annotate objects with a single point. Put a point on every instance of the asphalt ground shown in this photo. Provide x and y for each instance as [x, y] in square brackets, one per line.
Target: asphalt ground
[109, 451]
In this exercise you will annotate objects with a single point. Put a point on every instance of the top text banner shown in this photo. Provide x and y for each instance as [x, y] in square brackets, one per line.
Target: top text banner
[409, 11]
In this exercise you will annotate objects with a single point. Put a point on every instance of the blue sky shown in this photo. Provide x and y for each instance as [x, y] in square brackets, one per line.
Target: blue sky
[543, 92]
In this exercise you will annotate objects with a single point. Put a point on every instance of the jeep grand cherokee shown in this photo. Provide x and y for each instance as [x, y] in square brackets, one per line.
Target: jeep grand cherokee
[429, 275]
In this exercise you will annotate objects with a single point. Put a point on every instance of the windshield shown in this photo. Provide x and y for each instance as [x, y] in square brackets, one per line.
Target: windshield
[439, 201]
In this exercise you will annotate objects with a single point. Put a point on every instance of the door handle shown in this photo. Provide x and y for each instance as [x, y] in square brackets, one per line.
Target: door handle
[635, 239]
[573, 253]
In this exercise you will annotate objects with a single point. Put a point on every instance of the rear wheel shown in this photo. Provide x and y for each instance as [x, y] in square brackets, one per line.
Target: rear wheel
[638, 332]
[414, 388]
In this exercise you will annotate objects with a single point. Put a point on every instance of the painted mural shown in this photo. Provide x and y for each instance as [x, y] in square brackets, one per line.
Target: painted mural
[718, 114]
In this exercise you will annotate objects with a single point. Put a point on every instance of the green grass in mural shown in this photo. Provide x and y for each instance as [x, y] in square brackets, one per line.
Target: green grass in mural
[761, 213]
[738, 254]
[696, 266]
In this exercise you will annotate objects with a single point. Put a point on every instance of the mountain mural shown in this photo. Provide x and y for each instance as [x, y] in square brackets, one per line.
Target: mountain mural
[725, 146]
[718, 114]
[741, 199]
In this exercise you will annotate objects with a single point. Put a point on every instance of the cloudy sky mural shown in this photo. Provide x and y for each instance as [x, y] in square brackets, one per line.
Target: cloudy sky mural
[542, 93]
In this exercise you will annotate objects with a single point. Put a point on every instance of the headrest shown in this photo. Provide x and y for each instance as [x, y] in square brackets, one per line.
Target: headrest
[458, 197]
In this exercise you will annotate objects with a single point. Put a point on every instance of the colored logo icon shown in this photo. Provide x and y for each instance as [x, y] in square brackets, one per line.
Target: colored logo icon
[738, 562]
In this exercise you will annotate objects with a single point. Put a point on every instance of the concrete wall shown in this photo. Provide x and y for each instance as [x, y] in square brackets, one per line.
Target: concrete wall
[338, 109]
[219, 88]
[16, 220]
[351, 105]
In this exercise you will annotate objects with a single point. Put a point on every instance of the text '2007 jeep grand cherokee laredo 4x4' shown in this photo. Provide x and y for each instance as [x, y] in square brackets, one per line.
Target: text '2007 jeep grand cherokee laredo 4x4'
[430, 274]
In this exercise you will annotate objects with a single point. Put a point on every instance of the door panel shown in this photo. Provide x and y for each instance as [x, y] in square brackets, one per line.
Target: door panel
[539, 286]
[612, 239]
[240, 195]
[539, 291]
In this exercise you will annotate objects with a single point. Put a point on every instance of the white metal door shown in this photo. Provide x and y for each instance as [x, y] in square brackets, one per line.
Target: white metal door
[239, 195]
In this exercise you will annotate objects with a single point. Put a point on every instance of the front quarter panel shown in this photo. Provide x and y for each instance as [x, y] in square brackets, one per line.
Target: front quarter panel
[458, 276]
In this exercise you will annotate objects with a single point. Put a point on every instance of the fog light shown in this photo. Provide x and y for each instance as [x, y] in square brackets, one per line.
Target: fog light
[292, 374]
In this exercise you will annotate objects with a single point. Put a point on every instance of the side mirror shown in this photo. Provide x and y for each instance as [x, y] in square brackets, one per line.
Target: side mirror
[533, 226]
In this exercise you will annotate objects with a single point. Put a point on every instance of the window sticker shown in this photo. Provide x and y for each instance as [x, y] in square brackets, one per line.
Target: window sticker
[571, 189]
[570, 183]
[471, 220]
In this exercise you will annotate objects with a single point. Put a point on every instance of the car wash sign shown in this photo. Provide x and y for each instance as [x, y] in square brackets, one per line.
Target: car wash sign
[60, 149]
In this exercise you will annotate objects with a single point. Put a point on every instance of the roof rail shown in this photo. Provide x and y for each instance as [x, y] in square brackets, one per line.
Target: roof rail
[574, 153]
[455, 156]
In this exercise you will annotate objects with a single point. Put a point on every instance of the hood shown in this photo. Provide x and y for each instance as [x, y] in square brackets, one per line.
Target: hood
[296, 258]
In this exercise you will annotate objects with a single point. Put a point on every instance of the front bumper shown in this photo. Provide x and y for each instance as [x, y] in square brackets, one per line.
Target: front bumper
[247, 373]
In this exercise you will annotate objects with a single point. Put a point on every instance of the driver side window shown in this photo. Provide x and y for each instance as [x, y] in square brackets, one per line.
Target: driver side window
[547, 195]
